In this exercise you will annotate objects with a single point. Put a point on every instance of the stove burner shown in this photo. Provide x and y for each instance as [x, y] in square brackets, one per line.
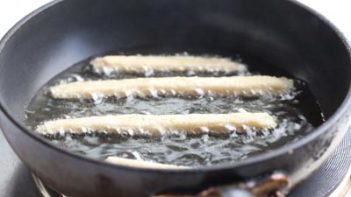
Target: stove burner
[335, 168]
[44, 190]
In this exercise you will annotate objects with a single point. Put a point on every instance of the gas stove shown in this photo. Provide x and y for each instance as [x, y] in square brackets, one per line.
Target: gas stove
[332, 179]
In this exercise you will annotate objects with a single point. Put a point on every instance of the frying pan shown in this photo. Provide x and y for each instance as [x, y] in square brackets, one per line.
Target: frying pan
[283, 34]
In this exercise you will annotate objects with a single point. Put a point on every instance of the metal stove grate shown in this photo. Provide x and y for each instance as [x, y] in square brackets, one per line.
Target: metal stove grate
[335, 169]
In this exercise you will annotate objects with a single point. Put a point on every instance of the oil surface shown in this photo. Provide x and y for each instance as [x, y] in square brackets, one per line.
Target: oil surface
[297, 113]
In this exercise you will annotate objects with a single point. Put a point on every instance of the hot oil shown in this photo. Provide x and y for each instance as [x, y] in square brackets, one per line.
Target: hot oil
[297, 113]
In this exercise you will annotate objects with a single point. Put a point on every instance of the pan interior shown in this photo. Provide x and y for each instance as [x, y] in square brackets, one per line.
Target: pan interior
[296, 113]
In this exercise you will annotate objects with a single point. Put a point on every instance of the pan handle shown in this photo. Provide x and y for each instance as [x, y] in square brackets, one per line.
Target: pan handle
[275, 184]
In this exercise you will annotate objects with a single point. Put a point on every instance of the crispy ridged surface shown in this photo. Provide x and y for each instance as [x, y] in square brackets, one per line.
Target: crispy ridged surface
[141, 64]
[189, 86]
[154, 125]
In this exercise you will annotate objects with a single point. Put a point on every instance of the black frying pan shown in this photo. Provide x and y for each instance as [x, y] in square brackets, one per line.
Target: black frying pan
[275, 32]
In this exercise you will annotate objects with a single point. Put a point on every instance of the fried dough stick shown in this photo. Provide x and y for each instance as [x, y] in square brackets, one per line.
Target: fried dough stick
[155, 125]
[246, 86]
[142, 64]
[141, 164]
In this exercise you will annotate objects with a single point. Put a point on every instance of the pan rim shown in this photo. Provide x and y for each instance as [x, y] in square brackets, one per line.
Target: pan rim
[340, 111]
